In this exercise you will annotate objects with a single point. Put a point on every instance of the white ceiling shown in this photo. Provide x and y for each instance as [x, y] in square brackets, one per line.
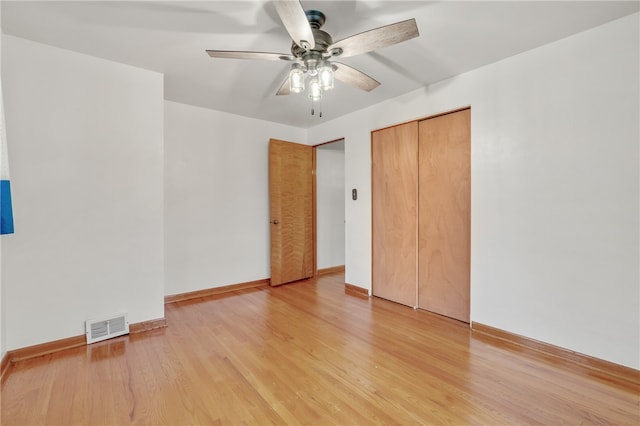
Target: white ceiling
[171, 37]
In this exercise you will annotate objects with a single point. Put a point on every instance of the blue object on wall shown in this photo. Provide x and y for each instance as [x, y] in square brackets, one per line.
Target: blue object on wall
[6, 210]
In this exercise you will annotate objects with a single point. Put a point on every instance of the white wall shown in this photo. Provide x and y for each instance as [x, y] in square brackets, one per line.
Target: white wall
[217, 197]
[3, 345]
[2, 321]
[330, 205]
[86, 143]
[555, 188]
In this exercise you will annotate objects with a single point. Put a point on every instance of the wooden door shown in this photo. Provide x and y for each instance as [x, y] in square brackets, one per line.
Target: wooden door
[394, 162]
[444, 219]
[291, 208]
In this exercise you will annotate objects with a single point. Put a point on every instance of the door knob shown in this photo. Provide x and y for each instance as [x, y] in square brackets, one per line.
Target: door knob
[275, 221]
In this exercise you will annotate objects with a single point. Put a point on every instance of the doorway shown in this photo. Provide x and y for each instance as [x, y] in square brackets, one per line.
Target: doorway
[330, 206]
[307, 209]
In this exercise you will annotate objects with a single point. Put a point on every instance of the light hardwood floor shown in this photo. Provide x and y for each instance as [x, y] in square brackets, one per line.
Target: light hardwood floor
[309, 353]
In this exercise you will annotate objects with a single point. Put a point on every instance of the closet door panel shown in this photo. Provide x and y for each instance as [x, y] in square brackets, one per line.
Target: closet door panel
[394, 213]
[444, 218]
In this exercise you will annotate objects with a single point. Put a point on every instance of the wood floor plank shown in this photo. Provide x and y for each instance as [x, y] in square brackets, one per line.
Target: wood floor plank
[309, 353]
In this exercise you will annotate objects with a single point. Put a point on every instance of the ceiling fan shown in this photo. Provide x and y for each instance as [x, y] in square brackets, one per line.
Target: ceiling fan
[313, 50]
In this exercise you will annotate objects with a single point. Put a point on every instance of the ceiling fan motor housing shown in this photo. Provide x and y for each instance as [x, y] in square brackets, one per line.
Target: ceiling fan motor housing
[322, 39]
[316, 18]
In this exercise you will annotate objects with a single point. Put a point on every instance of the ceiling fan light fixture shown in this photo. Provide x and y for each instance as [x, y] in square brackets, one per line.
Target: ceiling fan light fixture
[325, 75]
[312, 49]
[315, 90]
[296, 79]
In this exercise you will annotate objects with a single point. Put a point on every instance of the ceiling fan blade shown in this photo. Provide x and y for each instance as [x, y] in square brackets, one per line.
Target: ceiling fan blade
[376, 38]
[232, 54]
[352, 76]
[295, 21]
[284, 88]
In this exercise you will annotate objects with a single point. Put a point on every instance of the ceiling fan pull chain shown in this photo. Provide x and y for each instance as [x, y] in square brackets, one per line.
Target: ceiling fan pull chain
[313, 109]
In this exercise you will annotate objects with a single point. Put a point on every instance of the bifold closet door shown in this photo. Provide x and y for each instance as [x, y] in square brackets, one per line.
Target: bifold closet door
[394, 184]
[444, 219]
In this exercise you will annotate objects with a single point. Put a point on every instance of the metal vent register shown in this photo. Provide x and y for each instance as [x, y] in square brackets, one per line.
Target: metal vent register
[106, 328]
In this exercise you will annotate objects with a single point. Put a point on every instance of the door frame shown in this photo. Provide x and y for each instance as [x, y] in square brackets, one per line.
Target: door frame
[315, 204]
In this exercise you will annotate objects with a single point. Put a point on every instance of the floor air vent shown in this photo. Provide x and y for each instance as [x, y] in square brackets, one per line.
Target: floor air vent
[102, 329]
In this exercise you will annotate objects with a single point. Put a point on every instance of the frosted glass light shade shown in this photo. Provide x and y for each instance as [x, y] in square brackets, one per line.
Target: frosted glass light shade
[315, 90]
[296, 79]
[325, 74]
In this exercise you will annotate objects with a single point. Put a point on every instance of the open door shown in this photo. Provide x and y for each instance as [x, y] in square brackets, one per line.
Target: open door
[291, 205]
